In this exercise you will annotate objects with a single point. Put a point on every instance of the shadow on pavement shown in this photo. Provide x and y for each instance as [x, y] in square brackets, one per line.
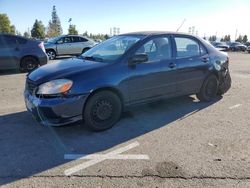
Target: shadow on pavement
[28, 148]
[10, 72]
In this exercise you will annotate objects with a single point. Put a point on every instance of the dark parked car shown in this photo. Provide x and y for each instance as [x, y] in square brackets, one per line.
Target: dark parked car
[221, 45]
[17, 52]
[68, 45]
[248, 49]
[122, 71]
[247, 44]
[237, 46]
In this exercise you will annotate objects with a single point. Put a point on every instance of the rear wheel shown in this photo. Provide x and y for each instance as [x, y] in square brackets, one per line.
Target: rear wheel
[102, 111]
[209, 89]
[28, 64]
[85, 50]
[51, 54]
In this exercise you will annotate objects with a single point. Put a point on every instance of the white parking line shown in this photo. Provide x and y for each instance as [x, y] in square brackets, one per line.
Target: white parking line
[97, 158]
[235, 106]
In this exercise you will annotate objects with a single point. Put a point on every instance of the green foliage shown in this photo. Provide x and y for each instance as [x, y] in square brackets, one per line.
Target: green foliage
[72, 30]
[26, 34]
[96, 37]
[5, 25]
[38, 30]
[212, 38]
[245, 39]
[239, 39]
[54, 27]
[227, 38]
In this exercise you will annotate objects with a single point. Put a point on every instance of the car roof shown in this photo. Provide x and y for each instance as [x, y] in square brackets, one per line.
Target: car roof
[148, 33]
[11, 35]
[72, 36]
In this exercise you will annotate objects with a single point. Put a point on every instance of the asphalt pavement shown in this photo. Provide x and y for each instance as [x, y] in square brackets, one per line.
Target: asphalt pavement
[179, 142]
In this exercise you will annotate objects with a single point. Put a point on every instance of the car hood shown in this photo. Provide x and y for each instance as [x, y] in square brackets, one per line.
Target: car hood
[62, 69]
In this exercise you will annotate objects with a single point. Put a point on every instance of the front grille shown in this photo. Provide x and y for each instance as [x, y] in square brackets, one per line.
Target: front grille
[30, 86]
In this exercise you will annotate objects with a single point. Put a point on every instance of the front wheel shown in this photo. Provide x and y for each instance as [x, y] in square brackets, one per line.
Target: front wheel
[209, 89]
[85, 50]
[102, 111]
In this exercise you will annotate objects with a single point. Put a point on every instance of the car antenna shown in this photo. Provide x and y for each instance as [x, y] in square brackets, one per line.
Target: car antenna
[181, 25]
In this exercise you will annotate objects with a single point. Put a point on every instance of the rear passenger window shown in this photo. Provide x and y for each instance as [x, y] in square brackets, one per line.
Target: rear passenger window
[21, 41]
[83, 39]
[75, 39]
[9, 41]
[187, 47]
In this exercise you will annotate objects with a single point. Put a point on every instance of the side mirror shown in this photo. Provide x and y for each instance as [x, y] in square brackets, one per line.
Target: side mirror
[138, 58]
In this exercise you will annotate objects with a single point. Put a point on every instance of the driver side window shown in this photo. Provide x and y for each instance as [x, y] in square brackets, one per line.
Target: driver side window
[157, 49]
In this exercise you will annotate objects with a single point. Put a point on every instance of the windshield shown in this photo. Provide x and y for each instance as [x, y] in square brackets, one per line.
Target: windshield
[111, 49]
[53, 40]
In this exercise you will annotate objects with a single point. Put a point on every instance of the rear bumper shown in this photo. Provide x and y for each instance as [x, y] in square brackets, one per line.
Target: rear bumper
[43, 59]
[55, 111]
[224, 82]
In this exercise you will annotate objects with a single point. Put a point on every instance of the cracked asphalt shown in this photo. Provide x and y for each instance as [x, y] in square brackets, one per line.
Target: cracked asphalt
[189, 143]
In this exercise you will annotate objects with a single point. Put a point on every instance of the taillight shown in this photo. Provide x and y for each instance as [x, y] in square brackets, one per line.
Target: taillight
[41, 45]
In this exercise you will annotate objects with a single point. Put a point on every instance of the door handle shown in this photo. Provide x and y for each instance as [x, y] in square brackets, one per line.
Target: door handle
[205, 59]
[172, 65]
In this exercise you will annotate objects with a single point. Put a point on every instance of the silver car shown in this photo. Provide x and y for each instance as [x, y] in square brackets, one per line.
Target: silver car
[67, 45]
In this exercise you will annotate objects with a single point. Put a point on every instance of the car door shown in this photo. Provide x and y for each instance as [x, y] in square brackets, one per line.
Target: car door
[64, 46]
[154, 78]
[85, 43]
[192, 63]
[76, 46]
[9, 52]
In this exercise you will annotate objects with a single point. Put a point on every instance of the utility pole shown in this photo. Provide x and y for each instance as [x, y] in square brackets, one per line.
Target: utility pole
[236, 33]
[70, 19]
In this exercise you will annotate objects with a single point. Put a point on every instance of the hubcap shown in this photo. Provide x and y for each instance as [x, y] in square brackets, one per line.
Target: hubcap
[51, 55]
[102, 110]
[30, 65]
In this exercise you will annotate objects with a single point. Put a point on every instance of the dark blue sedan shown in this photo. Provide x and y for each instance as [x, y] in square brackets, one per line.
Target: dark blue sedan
[125, 70]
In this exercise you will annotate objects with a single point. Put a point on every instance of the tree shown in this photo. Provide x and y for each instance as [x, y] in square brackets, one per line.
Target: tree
[85, 33]
[212, 38]
[239, 39]
[18, 33]
[5, 25]
[38, 30]
[226, 38]
[72, 30]
[245, 39]
[26, 34]
[54, 27]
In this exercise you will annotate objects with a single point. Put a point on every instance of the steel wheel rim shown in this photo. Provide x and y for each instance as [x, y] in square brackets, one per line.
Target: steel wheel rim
[102, 111]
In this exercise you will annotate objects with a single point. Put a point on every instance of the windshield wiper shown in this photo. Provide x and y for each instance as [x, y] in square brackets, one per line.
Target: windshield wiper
[93, 58]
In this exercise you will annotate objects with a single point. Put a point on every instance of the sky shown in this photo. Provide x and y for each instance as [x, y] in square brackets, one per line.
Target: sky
[211, 17]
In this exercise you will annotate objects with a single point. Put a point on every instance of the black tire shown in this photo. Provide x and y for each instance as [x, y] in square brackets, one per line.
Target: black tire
[225, 85]
[209, 89]
[85, 50]
[28, 64]
[102, 111]
[51, 54]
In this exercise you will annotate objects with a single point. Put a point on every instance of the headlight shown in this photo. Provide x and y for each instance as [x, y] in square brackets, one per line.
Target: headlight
[55, 87]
